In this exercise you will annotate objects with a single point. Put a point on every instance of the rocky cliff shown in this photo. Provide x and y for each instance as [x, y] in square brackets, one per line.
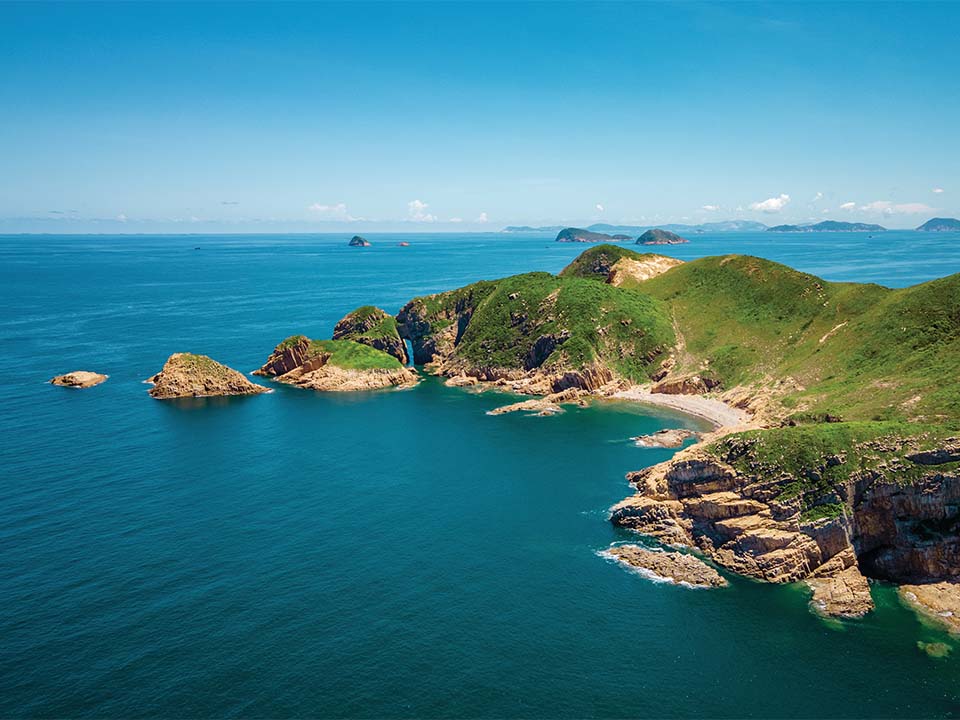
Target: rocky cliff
[334, 366]
[801, 503]
[372, 326]
[189, 375]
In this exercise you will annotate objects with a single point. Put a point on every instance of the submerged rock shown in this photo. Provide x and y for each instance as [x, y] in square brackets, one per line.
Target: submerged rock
[934, 649]
[79, 379]
[189, 375]
[675, 567]
[665, 438]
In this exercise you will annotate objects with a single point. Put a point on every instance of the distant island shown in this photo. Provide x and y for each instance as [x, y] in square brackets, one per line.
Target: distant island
[357, 241]
[581, 235]
[634, 230]
[657, 236]
[940, 225]
[829, 226]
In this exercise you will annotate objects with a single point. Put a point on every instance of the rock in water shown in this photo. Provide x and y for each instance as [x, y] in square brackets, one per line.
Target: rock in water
[665, 438]
[357, 241]
[939, 601]
[673, 566]
[189, 375]
[79, 379]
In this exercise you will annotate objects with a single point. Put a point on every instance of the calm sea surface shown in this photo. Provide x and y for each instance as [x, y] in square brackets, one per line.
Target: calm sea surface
[395, 554]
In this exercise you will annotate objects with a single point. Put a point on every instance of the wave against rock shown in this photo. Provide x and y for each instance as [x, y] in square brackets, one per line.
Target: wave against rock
[675, 567]
[79, 379]
[189, 375]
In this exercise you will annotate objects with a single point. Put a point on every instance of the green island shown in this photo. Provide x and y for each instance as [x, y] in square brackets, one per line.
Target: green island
[845, 464]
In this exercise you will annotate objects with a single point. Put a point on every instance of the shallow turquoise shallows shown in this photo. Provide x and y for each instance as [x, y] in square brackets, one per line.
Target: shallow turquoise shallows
[392, 554]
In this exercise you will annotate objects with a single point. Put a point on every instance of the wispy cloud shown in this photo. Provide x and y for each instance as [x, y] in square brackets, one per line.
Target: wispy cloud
[122, 217]
[886, 207]
[482, 218]
[599, 207]
[337, 211]
[771, 205]
[848, 206]
[229, 202]
[818, 196]
[456, 219]
[417, 212]
[710, 208]
[937, 190]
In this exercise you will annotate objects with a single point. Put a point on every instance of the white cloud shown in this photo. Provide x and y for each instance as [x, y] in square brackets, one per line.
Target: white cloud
[771, 205]
[888, 208]
[710, 208]
[482, 218]
[456, 220]
[332, 212]
[122, 217]
[937, 190]
[417, 212]
[599, 207]
[848, 206]
[818, 196]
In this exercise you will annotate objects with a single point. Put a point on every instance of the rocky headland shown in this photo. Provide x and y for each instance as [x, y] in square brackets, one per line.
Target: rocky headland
[190, 375]
[674, 567]
[79, 379]
[335, 366]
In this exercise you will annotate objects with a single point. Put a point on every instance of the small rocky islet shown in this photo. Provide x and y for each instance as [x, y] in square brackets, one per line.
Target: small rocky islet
[189, 375]
[79, 379]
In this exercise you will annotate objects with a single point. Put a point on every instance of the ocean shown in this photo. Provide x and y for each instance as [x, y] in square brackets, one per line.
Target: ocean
[394, 554]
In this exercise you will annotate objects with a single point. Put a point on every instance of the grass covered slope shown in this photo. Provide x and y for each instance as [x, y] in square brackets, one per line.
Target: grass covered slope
[539, 323]
[369, 325]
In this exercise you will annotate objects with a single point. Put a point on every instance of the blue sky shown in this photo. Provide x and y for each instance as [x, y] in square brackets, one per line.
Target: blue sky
[194, 117]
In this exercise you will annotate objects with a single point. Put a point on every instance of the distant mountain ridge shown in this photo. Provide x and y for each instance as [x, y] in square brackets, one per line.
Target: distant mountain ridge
[723, 226]
[829, 226]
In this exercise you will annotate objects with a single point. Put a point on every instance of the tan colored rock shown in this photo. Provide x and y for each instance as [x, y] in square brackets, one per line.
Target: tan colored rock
[639, 270]
[665, 438]
[939, 601]
[79, 379]
[189, 375]
[845, 594]
[330, 378]
[547, 405]
[673, 566]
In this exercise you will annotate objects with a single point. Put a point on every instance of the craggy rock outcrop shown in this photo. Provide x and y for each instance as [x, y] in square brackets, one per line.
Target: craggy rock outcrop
[938, 601]
[671, 438]
[674, 567]
[79, 379]
[886, 520]
[686, 385]
[315, 366]
[189, 375]
[374, 327]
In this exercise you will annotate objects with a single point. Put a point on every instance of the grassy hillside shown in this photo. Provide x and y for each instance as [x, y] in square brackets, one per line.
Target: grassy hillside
[344, 353]
[597, 262]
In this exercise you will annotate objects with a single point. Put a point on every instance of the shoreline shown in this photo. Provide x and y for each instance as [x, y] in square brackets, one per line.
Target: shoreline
[716, 412]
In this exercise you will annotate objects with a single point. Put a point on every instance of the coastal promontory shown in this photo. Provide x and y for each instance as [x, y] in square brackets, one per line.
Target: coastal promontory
[190, 375]
[79, 379]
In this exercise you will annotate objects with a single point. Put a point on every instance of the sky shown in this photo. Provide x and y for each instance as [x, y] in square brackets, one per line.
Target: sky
[247, 117]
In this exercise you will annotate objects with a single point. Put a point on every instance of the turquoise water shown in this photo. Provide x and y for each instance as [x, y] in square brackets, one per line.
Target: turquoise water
[395, 554]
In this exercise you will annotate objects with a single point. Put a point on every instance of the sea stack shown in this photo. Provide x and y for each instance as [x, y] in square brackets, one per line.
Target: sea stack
[656, 236]
[79, 379]
[189, 375]
[357, 241]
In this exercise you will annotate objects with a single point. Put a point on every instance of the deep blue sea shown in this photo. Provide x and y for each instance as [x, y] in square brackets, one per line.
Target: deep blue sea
[393, 554]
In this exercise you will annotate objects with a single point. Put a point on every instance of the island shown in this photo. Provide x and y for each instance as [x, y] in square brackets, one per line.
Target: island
[79, 379]
[357, 241]
[940, 225]
[835, 456]
[190, 375]
[335, 365]
[580, 235]
[657, 236]
[829, 226]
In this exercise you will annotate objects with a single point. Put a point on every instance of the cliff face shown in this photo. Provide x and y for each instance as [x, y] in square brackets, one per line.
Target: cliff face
[538, 333]
[372, 326]
[334, 366]
[189, 375]
[886, 506]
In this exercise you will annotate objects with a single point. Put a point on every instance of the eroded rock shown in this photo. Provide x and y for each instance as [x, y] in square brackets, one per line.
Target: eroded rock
[79, 379]
[672, 566]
